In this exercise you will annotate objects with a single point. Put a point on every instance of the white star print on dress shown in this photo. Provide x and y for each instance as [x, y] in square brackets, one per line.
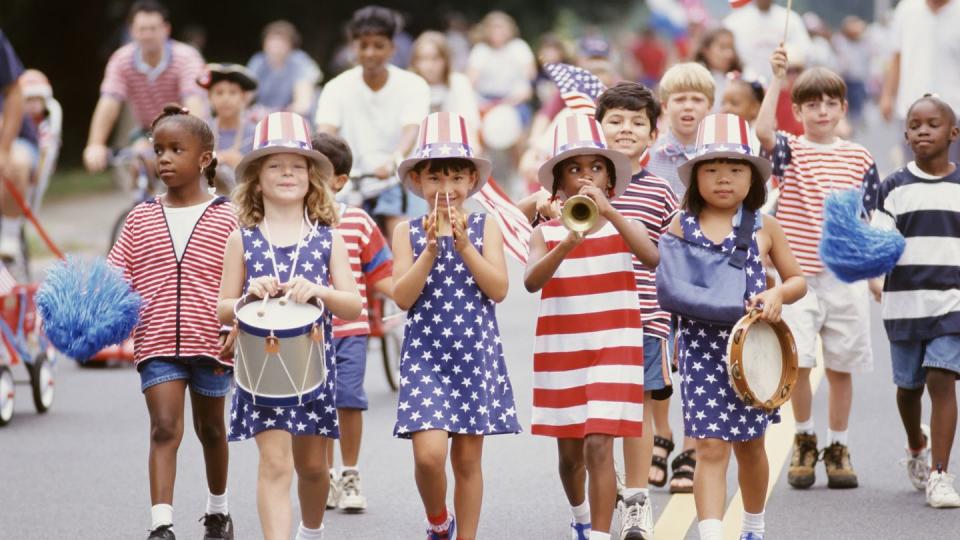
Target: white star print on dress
[318, 417]
[711, 409]
[452, 375]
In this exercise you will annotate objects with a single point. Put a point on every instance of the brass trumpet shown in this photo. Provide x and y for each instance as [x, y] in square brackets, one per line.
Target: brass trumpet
[579, 213]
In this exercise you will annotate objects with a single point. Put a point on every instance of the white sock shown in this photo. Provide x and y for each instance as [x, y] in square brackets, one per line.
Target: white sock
[630, 492]
[304, 533]
[10, 226]
[836, 436]
[217, 504]
[806, 427]
[753, 523]
[597, 535]
[161, 514]
[710, 529]
[581, 514]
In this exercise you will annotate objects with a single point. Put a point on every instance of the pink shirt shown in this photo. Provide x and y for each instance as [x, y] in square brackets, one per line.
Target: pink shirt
[148, 89]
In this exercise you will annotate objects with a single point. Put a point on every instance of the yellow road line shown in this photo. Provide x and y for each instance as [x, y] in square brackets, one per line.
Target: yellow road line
[681, 512]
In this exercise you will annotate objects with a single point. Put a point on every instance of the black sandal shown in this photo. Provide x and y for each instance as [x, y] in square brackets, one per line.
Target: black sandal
[683, 466]
[660, 462]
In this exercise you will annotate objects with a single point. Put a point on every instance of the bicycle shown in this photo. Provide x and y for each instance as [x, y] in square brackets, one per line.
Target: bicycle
[131, 172]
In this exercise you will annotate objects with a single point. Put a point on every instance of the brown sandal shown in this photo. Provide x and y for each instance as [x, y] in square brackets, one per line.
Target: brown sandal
[683, 466]
[660, 462]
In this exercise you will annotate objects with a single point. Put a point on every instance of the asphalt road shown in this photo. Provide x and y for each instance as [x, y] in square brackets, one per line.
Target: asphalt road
[80, 470]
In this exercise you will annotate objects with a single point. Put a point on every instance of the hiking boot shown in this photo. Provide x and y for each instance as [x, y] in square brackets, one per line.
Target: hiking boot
[217, 527]
[636, 518]
[163, 532]
[804, 461]
[840, 473]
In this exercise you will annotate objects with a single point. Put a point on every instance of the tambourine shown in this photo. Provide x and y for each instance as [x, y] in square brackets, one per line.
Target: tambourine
[762, 361]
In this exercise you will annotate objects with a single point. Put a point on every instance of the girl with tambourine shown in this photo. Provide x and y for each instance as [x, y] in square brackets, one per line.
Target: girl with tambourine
[721, 218]
[287, 246]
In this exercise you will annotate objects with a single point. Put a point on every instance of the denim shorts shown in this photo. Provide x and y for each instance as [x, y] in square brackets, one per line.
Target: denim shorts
[351, 354]
[205, 378]
[656, 368]
[390, 202]
[911, 359]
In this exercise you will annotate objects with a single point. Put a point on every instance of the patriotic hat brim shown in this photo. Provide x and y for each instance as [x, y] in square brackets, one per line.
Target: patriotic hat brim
[723, 136]
[284, 133]
[443, 135]
[685, 170]
[621, 167]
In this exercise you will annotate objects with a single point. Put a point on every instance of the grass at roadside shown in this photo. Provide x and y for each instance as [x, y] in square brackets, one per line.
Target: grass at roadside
[77, 181]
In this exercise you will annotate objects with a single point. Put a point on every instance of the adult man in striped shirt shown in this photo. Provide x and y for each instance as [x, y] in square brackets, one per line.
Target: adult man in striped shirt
[147, 73]
[811, 166]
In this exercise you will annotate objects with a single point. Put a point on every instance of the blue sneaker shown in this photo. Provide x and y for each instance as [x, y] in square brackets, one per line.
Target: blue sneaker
[447, 531]
[579, 531]
[751, 536]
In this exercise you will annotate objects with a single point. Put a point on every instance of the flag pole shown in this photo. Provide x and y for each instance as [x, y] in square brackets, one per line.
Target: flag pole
[786, 19]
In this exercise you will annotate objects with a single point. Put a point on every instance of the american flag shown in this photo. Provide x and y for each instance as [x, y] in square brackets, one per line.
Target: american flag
[578, 87]
[513, 224]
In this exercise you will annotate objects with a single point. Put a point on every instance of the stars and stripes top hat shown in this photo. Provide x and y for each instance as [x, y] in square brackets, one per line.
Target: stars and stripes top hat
[578, 135]
[283, 133]
[723, 135]
[443, 135]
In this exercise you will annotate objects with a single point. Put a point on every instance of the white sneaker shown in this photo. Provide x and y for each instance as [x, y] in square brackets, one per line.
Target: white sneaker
[351, 500]
[918, 466]
[333, 496]
[636, 518]
[940, 491]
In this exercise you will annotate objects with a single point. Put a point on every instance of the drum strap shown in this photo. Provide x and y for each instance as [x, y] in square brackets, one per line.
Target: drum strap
[738, 259]
[296, 253]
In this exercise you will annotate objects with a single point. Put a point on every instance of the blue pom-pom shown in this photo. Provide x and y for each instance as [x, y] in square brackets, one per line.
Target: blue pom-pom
[86, 307]
[852, 249]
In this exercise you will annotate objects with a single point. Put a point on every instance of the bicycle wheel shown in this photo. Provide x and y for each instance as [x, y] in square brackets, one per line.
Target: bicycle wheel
[391, 342]
[117, 227]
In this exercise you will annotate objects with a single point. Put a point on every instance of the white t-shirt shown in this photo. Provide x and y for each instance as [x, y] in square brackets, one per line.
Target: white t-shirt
[756, 34]
[181, 221]
[372, 122]
[929, 47]
[501, 71]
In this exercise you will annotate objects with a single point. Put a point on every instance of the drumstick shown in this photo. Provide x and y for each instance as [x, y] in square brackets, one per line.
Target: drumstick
[262, 309]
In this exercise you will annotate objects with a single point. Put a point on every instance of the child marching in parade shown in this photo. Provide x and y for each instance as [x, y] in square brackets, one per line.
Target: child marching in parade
[628, 114]
[725, 190]
[170, 250]
[372, 265]
[920, 309]
[588, 360]
[809, 168]
[449, 273]
[287, 245]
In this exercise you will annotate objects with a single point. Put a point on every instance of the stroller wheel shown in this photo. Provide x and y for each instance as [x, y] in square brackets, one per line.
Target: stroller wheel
[41, 381]
[8, 392]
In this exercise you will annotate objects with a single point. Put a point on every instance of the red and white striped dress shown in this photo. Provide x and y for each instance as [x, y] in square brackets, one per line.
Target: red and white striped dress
[588, 357]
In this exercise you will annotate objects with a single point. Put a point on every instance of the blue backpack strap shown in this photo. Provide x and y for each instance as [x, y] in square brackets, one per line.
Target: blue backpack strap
[748, 218]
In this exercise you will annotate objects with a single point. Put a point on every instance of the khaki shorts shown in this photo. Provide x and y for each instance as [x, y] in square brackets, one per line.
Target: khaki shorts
[840, 314]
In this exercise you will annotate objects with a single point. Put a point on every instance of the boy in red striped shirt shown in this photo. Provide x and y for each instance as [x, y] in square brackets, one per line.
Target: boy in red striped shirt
[628, 114]
[372, 266]
[810, 167]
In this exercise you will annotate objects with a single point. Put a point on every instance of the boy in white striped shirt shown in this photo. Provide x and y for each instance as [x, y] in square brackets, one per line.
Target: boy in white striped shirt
[921, 295]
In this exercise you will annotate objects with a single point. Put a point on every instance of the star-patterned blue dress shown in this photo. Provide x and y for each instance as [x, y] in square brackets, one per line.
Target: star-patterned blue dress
[452, 372]
[711, 408]
[318, 417]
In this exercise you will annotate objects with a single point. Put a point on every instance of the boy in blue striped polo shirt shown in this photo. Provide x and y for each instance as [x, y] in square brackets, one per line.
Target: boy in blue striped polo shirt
[921, 296]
